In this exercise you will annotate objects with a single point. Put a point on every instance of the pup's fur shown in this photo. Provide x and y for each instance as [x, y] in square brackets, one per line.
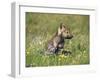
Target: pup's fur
[58, 40]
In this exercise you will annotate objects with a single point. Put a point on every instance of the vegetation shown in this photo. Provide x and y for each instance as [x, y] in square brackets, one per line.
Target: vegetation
[40, 27]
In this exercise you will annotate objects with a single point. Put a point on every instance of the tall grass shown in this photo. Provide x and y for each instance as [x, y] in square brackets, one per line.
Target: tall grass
[39, 29]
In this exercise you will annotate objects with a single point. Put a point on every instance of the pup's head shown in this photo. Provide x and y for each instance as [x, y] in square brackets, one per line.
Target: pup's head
[64, 31]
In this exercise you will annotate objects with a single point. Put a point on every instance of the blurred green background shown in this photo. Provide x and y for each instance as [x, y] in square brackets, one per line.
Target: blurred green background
[40, 27]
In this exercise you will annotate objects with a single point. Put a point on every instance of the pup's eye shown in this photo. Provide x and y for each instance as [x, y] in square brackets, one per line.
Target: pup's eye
[67, 32]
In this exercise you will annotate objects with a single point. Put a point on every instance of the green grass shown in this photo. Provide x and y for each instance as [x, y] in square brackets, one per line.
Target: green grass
[39, 29]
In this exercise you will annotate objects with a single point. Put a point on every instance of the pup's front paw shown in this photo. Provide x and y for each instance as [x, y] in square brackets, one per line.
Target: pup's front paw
[66, 52]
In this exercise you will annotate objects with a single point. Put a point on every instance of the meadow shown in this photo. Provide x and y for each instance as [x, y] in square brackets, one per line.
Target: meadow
[40, 28]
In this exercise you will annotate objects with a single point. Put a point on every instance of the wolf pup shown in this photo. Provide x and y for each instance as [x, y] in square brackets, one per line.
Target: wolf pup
[58, 40]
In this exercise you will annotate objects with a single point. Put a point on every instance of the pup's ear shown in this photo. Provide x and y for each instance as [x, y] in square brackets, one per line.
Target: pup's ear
[61, 28]
[62, 25]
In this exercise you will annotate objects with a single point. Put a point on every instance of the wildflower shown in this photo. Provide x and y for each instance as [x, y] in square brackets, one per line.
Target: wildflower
[62, 56]
[27, 52]
[65, 56]
[70, 42]
[59, 59]
[84, 51]
[40, 42]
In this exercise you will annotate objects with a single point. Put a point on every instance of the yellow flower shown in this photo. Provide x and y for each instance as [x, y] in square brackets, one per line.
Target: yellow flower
[62, 56]
[70, 42]
[65, 56]
[27, 52]
[84, 51]
[40, 42]
[59, 59]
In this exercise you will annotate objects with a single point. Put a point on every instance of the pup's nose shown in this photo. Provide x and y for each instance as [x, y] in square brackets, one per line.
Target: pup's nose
[70, 37]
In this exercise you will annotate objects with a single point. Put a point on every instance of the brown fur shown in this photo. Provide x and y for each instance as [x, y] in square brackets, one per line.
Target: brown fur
[58, 40]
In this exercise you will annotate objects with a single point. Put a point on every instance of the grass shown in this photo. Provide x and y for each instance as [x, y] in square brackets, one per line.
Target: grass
[39, 29]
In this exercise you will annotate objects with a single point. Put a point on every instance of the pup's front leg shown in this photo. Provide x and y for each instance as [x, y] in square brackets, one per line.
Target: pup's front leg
[65, 52]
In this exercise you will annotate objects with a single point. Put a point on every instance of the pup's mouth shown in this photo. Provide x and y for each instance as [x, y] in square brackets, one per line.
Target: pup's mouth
[69, 37]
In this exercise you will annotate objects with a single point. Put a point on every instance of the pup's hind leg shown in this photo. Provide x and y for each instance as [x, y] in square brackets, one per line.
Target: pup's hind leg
[52, 49]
